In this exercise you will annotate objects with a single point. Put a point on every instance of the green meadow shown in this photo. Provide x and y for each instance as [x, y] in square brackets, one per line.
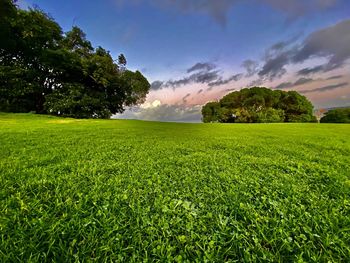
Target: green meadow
[134, 191]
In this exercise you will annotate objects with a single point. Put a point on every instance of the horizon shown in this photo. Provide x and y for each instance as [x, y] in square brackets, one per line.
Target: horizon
[198, 51]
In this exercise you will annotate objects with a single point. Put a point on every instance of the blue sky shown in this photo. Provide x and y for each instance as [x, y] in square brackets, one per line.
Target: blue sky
[165, 38]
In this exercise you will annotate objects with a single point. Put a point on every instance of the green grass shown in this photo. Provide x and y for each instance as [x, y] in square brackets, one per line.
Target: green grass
[133, 191]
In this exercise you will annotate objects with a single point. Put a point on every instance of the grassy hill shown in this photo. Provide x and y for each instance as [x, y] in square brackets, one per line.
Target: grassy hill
[117, 190]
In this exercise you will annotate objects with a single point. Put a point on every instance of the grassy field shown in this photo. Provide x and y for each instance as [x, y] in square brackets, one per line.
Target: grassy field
[133, 191]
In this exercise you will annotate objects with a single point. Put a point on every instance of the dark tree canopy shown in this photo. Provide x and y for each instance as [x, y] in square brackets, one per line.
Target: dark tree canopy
[341, 115]
[45, 70]
[259, 104]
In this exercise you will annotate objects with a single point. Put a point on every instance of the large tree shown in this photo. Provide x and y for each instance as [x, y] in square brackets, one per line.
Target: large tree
[23, 71]
[259, 104]
[341, 115]
[46, 71]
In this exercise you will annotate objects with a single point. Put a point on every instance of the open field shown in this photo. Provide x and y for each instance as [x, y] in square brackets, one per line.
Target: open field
[113, 190]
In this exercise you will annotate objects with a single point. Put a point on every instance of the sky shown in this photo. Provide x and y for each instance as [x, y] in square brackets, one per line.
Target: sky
[196, 51]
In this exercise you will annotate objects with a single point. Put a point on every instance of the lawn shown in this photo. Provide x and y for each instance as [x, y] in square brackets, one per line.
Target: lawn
[134, 191]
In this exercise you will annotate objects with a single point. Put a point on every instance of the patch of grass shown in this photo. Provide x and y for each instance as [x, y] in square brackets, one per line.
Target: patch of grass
[132, 191]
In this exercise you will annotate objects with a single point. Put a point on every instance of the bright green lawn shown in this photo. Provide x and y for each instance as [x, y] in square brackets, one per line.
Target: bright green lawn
[116, 190]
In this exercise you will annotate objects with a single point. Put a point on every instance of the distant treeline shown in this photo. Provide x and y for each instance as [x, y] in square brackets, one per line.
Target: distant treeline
[45, 70]
[259, 104]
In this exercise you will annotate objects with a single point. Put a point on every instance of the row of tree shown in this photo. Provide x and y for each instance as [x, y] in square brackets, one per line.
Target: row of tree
[45, 70]
[259, 104]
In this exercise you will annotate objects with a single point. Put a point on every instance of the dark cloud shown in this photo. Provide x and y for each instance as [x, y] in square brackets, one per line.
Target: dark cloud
[205, 77]
[274, 67]
[256, 83]
[251, 67]
[221, 81]
[335, 77]
[308, 71]
[229, 90]
[301, 81]
[201, 66]
[326, 88]
[184, 99]
[284, 85]
[280, 48]
[276, 58]
[156, 85]
[210, 88]
[200, 91]
[200, 77]
[331, 42]
[203, 73]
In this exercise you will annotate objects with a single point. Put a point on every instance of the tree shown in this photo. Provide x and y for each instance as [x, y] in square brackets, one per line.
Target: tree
[46, 71]
[259, 104]
[23, 71]
[122, 62]
[99, 89]
[341, 115]
[211, 112]
[7, 12]
[296, 107]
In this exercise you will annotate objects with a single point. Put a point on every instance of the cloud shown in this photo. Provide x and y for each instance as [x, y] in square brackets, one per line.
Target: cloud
[335, 77]
[326, 88]
[255, 83]
[331, 43]
[222, 81]
[279, 48]
[202, 73]
[251, 67]
[308, 71]
[156, 85]
[201, 66]
[300, 7]
[219, 9]
[164, 112]
[184, 99]
[275, 67]
[229, 90]
[200, 91]
[276, 58]
[154, 104]
[301, 81]
[284, 85]
[199, 77]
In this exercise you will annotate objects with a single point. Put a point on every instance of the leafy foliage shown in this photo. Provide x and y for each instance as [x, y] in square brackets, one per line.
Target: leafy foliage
[259, 104]
[341, 115]
[132, 191]
[46, 71]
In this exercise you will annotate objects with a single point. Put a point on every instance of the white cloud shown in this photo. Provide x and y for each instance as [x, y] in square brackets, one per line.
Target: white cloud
[148, 105]
[163, 112]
